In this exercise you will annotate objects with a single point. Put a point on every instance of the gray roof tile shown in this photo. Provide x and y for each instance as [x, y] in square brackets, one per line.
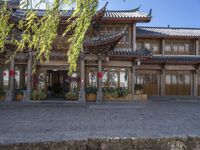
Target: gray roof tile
[174, 59]
[129, 52]
[168, 31]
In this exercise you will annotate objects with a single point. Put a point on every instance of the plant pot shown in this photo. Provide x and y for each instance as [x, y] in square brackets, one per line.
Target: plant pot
[91, 97]
[2, 98]
[19, 97]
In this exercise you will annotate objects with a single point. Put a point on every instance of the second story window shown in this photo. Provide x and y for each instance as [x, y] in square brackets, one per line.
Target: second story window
[155, 47]
[167, 47]
[181, 47]
[139, 45]
[175, 47]
[187, 47]
[147, 46]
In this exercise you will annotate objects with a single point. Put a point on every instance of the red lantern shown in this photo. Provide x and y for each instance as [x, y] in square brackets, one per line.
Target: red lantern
[12, 73]
[100, 75]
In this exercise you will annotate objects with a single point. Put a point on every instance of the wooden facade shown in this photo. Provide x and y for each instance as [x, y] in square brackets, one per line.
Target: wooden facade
[124, 55]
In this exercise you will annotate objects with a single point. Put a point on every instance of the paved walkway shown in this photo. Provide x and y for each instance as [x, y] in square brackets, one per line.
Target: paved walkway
[30, 122]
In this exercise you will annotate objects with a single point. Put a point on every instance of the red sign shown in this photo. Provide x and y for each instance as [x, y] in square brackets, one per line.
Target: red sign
[100, 75]
[12, 73]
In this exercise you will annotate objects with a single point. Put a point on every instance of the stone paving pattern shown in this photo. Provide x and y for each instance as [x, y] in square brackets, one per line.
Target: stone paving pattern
[36, 122]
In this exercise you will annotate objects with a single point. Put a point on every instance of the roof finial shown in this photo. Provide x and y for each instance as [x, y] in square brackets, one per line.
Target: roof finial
[150, 13]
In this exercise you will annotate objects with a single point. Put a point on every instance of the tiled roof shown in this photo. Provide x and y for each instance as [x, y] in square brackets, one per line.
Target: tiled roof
[129, 52]
[103, 39]
[174, 59]
[135, 13]
[168, 31]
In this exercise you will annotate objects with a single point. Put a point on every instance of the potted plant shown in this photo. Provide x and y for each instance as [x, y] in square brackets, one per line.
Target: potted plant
[18, 94]
[138, 89]
[91, 93]
[38, 95]
[1, 94]
[72, 96]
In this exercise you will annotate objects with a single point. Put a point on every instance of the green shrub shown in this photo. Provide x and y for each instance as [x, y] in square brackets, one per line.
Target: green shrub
[115, 92]
[122, 92]
[91, 90]
[38, 95]
[72, 95]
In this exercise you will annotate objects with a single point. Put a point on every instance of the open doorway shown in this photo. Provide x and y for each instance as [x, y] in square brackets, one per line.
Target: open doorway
[58, 84]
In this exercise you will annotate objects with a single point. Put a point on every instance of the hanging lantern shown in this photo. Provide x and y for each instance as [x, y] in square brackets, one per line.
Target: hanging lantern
[12, 73]
[100, 75]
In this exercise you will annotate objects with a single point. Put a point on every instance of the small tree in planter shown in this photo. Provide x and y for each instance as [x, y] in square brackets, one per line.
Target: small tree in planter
[91, 93]
[1, 94]
[38, 95]
[72, 96]
[19, 94]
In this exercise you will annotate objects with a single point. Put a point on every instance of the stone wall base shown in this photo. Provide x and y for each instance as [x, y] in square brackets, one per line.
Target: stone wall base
[189, 143]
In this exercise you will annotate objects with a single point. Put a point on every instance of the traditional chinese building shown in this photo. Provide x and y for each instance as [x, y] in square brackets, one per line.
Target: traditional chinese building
[120, 55]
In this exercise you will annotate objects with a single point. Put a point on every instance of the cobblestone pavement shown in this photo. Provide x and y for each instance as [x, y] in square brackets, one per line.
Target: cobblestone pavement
[30, 122]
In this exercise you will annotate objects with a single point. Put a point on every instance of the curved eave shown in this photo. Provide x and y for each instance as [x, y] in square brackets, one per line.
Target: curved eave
[106, 41]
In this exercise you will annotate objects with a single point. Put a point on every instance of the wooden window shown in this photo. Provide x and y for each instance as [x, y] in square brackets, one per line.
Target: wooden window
[113, 77]
[123, 77]
[168, 47]
[181, 47]
[175, 46]
[147, 45]
[105, 77]
[168, 79]
[6, 77]
[139, 45]
[93, 77]
[187, 47]
[155, 47]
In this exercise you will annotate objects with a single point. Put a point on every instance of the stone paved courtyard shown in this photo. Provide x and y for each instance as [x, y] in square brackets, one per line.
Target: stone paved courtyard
[34, 122]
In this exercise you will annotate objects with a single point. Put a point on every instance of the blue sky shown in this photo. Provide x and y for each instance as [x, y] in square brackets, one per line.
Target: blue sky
[176, 13]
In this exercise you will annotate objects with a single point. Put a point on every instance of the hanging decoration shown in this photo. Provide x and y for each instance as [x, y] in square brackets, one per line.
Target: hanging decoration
[12, 73]
[100, 75]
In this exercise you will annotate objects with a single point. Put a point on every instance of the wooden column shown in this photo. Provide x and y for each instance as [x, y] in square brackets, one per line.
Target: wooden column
[134, 37]
[99, 92]
[163, 47]
[1, 76]
[133, 79]
[162, 82]
[27, 93]
[197, 46]
[82, 85]
[10, 94]
[22, 76]
[195, 83]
